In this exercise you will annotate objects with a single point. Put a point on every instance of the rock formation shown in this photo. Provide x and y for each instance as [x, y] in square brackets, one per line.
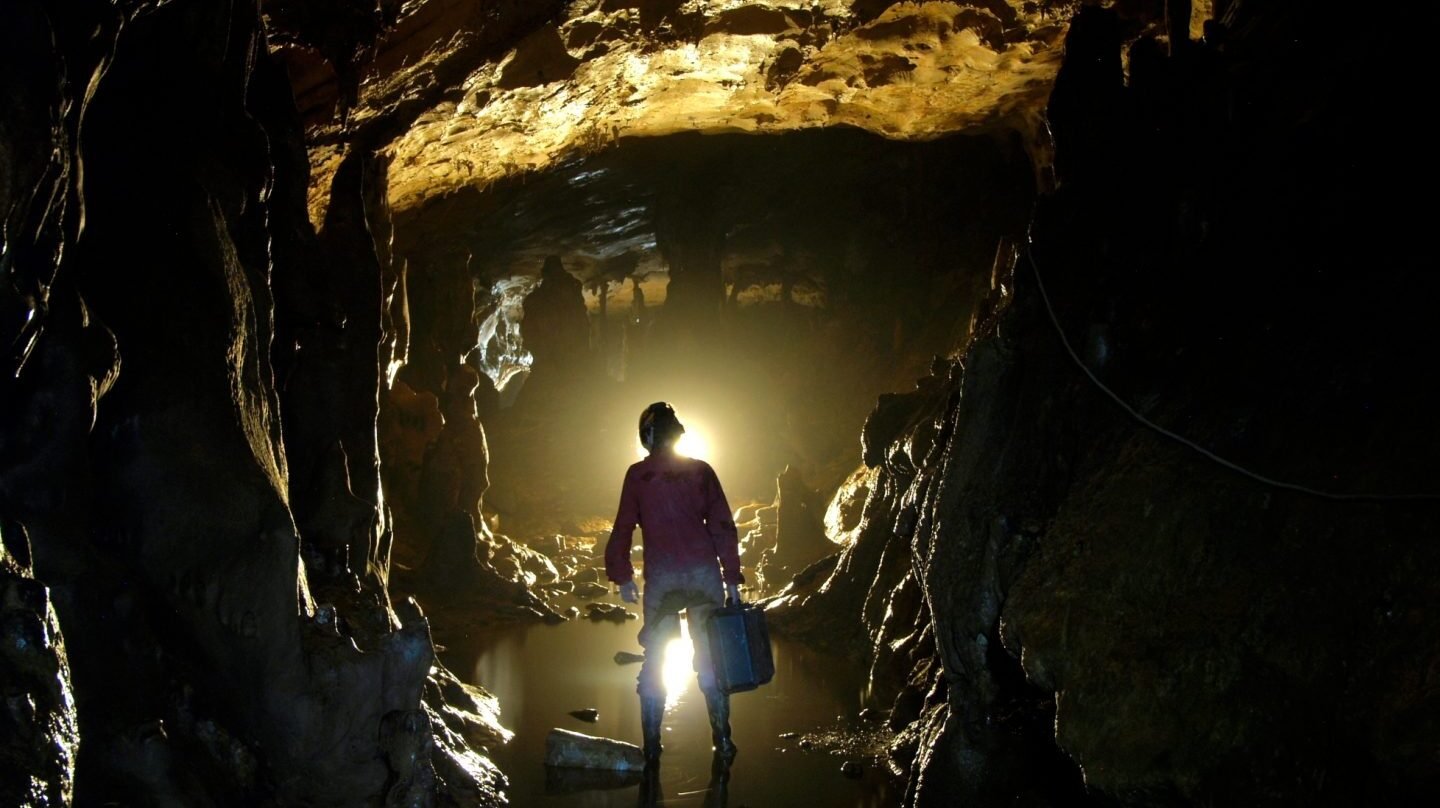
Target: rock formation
[1186, 632]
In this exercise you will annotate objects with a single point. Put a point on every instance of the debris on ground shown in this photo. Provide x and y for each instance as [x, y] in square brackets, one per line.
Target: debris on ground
[568, 749]
[590, 590]
[608, 611]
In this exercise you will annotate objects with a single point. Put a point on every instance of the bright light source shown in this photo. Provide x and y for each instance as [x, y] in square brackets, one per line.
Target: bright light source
[691, 444]
[679, 669]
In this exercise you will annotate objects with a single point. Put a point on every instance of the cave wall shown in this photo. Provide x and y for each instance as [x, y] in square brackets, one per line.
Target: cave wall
[228, 634]
[1066, 603]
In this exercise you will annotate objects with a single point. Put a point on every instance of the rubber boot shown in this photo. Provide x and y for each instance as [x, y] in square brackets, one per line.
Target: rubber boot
[652, 793]
[718, 706]
[652, 713]
[717, 794]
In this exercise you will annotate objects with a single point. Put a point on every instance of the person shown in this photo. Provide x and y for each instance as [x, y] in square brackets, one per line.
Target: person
[691, 558]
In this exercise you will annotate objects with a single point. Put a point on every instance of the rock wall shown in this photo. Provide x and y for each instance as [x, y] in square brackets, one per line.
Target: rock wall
[1068, 604]
[201, 501]
[39, 735]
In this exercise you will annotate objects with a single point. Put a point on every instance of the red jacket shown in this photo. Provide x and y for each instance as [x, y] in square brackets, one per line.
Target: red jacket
[678, 503]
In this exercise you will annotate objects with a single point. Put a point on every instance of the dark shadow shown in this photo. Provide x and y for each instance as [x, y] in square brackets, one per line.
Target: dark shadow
[560, 780]
[652, 792]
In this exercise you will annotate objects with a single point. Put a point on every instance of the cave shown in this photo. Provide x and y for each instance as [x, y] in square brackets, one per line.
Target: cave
[1067, 366]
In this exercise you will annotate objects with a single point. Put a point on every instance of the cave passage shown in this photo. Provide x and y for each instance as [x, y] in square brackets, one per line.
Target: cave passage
[770, 288]
[325, 328]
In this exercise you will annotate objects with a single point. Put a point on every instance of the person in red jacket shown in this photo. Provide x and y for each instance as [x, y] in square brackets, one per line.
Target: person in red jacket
[691, 560]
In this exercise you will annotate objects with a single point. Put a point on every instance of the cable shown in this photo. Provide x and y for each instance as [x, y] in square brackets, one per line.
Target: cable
[1182, 440]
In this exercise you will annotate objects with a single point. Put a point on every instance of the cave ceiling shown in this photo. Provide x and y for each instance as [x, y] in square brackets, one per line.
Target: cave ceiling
[465, 97]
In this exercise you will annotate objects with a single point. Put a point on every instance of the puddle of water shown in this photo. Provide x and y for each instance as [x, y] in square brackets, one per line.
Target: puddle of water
[540, 673]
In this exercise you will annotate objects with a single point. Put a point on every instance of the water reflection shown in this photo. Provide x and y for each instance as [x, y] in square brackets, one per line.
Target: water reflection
[678, 670]
[540, 673]
[716, 793]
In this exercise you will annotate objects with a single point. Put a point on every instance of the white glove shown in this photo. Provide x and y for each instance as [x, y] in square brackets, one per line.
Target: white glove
[732, 594]
[629, 592]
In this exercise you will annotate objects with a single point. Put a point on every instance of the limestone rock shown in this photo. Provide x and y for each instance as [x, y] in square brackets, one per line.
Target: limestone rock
[572, 750]
[39, 729]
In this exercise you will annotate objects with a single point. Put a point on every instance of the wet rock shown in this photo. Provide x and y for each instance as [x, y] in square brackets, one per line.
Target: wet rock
[591, 590]
[788, 735]
[407, 741]
[566, 749]
[589, 714]
[894, 413]
[464, 709]
[628, 658]
[906, 709]
[852, 769]
[534, 566]
[807, 744]
[552, 545]
[608, 611]
[39, 732]
[587, 575]
[873, 714]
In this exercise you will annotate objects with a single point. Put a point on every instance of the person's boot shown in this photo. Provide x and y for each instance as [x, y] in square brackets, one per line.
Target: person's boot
[717, 795]
[718, 706]
[652, 713]
[652, 793]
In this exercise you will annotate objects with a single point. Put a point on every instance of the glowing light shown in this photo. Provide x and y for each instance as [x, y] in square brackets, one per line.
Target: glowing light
[679, 670]
[691, 444]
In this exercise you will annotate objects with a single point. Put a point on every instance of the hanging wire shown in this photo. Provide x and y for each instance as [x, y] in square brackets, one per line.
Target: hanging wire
[1184, 441]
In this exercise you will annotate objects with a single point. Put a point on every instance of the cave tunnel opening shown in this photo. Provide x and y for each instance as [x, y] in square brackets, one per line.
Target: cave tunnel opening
[818, 258]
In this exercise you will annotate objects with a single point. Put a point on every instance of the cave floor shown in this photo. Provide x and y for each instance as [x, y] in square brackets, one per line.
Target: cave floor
[540, 673]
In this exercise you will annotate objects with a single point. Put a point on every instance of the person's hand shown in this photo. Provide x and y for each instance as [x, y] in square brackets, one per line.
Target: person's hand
[629, 592]
[732, 594]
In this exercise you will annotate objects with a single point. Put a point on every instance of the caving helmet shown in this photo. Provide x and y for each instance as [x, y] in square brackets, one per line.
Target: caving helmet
[659, 426]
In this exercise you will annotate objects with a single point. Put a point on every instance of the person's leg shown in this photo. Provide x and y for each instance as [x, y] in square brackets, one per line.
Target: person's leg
[662, 624]
[717, 703]
[658, 631]
[704, 593]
